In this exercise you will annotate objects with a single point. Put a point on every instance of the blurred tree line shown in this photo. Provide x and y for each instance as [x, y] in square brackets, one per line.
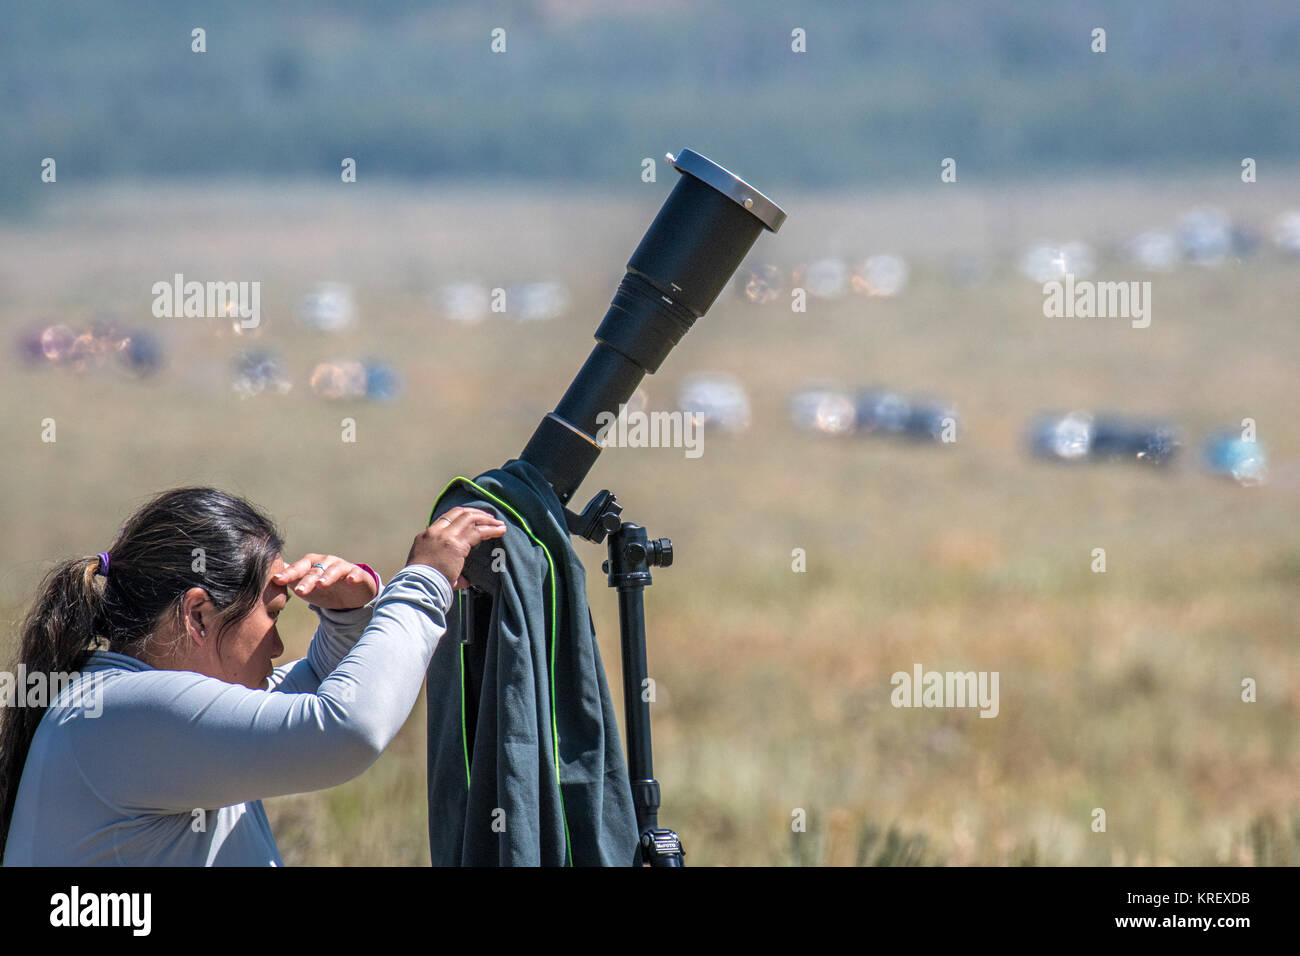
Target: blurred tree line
[586, 88]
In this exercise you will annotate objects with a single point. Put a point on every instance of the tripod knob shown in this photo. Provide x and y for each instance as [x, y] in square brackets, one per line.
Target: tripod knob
[660, 848]
[661, 552]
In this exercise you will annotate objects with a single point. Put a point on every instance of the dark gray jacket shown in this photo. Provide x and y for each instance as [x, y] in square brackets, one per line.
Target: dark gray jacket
[525, 765]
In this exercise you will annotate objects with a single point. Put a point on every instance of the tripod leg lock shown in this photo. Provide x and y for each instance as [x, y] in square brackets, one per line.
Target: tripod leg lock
[645, 795]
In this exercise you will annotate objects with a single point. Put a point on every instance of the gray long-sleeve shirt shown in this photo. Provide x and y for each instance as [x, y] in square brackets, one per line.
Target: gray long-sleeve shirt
[138, 766]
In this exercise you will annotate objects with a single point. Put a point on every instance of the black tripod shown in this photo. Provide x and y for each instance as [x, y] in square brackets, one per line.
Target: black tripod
[631, 556]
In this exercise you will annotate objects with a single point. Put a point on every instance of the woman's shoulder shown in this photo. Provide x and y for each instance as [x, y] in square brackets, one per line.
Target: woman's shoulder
[103, 661]
[112, 688]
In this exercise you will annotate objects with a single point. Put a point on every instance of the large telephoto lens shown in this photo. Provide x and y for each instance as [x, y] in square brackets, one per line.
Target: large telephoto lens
[686, 258]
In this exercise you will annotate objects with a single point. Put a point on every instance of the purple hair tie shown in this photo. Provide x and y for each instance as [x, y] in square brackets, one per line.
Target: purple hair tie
[103, 564]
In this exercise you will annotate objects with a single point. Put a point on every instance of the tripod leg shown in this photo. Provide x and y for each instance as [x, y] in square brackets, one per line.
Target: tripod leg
[630, 555]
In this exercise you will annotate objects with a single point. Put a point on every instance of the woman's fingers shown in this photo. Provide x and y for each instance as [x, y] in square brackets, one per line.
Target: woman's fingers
[336, 570]
[449, 518]
[481, 531]
[321, 572]
[446, 542]
[313, 572]
[464, 519]
[295, 572]
[466, 526]
[311, 581]
[290, 572]
[328, 581]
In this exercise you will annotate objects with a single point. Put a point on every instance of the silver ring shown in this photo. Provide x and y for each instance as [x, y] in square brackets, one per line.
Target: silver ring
[321, 566]
[445, 518]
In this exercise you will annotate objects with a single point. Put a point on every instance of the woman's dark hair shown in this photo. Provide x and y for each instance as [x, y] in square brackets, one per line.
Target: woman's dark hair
[181, 539]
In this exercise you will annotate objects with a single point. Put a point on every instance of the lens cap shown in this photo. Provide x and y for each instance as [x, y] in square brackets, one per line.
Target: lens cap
[730, 185]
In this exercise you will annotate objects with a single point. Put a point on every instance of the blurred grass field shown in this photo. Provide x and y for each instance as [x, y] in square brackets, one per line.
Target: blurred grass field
[1118, 690]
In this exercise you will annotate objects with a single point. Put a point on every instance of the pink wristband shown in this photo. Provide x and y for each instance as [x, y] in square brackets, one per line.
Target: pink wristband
[370, 571]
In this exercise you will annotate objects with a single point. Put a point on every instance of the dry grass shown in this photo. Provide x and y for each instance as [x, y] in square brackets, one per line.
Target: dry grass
[1118, 691]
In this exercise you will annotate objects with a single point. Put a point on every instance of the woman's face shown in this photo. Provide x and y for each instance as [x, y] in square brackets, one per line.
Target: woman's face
[246, 650]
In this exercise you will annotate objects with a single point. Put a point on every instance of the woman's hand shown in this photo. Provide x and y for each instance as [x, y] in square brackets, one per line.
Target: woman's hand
[445, 544]
[327, 581]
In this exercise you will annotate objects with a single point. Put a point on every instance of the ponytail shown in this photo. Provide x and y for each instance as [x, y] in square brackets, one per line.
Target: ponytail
[56, 637]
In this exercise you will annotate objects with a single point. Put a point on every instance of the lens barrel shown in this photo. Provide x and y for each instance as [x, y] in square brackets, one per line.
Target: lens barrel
[703, 231]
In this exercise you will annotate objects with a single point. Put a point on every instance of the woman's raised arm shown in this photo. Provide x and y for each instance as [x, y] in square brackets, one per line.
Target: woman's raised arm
[177, 741]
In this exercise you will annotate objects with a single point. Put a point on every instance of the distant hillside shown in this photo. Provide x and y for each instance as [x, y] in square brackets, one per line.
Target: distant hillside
[585, 89]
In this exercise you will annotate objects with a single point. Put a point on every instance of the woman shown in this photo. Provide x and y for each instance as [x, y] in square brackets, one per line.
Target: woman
[174, 724]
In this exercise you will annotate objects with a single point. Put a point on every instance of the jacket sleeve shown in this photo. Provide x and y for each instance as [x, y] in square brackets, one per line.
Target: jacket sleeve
[335, 635]
[174, 741]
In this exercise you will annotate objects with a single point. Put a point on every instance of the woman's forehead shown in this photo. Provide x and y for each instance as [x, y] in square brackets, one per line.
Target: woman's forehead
[274, 592]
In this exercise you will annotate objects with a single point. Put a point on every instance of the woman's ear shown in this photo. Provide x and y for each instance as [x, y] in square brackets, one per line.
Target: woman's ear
[196, 612]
